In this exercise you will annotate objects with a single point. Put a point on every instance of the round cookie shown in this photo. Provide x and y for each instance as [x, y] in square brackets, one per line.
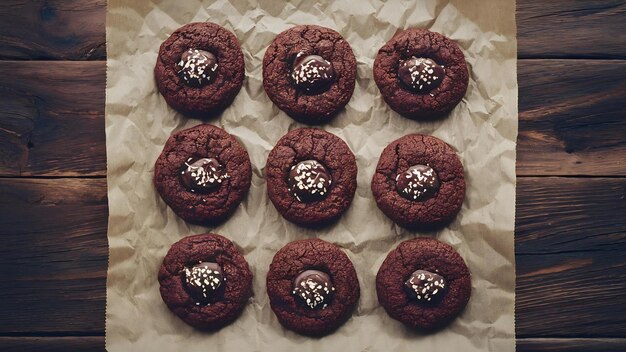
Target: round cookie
[309, 72]
[421, 74]
[311, 177]
[419, 182]
[423, 283]
[200, 69]
[205, 281]
[312, 286]
[203, 173]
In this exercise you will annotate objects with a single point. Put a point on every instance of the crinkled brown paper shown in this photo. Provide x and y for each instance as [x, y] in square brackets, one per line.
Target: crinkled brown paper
[482, 128]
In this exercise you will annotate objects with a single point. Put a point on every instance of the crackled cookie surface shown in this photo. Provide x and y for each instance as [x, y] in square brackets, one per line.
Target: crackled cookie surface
[419, 182]
[423, 283]
[311, 177]
[205, 281]
[312, 286]
[203, 173]
[309, 72]
[200, 69]
[421, 74]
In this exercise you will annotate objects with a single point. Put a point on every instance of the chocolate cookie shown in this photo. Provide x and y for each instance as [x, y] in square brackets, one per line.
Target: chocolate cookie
[203, 173]
[309, 72]
[423, 283]
[311, 177]
[421, 74]
[205, 281]
[312, 286]
[200, 69]
[419, 182]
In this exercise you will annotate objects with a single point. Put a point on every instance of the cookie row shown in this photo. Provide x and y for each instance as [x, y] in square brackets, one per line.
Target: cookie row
[309, 72]
[312, 284]
[203, 173]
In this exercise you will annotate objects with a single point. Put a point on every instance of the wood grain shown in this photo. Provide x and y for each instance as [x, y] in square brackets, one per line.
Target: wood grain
[53, 121]
[53, 256]
[96, 343]
[570, 236]
[52, 118]
[74, 30]
[557, 215]
[52, 29]
[572, 117]
[571, 29]
[571, 345]
[570, 281]
[52, 344]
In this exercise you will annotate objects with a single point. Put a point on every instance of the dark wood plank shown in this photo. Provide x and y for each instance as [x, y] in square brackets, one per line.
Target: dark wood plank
[75, 30]
[571, 294]
[571, 271]
[571, 345]
[52, 29]
[52, 344]
[96, 343]
[52, 118]
[570, 264]
[561, 215]
[568, 28]
[52, 123]
[53, 256]
[571, 118]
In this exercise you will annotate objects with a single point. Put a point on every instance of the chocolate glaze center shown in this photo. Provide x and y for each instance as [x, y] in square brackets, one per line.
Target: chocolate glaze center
[313, 288]
[312, 73]
[420, 75]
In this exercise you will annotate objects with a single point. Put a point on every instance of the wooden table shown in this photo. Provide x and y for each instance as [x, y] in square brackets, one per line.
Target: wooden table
[571, 207]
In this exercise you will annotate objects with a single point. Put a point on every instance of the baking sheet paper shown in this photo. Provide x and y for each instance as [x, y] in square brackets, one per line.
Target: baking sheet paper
[483, 128]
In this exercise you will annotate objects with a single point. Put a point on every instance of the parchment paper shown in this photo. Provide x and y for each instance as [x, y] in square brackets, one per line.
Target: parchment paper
[483, 128]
